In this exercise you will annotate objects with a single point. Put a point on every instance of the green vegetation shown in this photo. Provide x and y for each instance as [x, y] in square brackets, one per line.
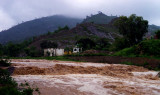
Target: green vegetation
[48, 44]
[61, 29]
[102, 44]
[158, 34]
[119, 44]
[4, 63]
[145, 48]
[97, 44]
[32, 52]
[132, 28]
[1, 50]
[126, 52]
[8, 86]
[86, 43]
[149, 48]
[19, 50]
[14, 50]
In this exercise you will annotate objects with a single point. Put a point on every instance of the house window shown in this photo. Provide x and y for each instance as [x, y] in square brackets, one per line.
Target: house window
[48, 53]
[75, 49]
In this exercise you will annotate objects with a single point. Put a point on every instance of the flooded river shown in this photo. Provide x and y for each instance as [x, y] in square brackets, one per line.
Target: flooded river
[80, 78]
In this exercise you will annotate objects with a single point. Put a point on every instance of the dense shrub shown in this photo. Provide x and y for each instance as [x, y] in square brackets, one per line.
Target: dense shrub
[102, 44]
[61, 29]
[7, 85]
[1, 50]
[48, 44]
[33, 52]
[86, 43]
[119, 44]
[4, 62]
[9, 91]
[147, 48]
[158, 34]
[12, 49]
[5, 79]
[126, 52]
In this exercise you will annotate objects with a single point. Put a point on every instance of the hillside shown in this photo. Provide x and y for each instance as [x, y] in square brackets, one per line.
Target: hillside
[68, 38]
[102, 18]
[99, 18]
[152, 28]
[41, 26]
[36, 27]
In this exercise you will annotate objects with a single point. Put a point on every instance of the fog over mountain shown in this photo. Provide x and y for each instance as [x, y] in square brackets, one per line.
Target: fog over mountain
[13, 12]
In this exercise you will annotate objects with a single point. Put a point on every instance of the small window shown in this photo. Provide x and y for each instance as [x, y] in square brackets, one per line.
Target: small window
[75, 49]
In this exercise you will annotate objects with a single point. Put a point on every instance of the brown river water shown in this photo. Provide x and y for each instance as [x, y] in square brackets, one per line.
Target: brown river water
[82, 78]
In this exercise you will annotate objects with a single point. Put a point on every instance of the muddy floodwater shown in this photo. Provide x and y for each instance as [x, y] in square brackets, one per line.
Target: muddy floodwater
[80, 78]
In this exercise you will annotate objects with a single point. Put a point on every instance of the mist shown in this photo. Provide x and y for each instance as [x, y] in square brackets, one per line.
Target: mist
[13, 12]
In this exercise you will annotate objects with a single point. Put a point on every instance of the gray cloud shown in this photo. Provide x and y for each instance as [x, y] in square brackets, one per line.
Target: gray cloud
[16, 11]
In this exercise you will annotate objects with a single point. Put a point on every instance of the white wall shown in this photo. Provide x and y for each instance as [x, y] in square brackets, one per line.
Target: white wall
[54, 52]
[59, 52]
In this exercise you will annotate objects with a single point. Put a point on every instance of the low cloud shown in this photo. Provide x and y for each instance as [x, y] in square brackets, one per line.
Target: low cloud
[15, 11]
[5, 20]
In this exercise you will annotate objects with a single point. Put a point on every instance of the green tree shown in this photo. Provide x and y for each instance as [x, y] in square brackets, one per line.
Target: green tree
[86, 43]
[7, 84]
[102, 44]
[49, 33]
[133, 28]
[33, 52]
[149, 47]
[1, 50]
[66, 28]
[68, 49]
[12, 50]
[61, 29]
[119, 44]
[158, 34]
[48, 44]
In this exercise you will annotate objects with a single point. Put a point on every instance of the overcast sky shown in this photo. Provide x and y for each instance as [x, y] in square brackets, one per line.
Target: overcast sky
[13, 12]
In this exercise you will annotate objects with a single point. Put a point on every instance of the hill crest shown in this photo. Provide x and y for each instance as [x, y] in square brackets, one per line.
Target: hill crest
[36, 27]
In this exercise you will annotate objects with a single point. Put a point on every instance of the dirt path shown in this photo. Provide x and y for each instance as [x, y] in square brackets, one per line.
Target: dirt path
[77, 78]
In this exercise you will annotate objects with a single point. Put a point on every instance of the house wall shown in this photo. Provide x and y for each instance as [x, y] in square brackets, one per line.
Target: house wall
[59, 52]
[67, 52]
[48, 51]
[77, 50]
[53, 52]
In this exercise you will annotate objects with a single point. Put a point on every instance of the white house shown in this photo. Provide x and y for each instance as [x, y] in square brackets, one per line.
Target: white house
[53, 52]
[77, 50]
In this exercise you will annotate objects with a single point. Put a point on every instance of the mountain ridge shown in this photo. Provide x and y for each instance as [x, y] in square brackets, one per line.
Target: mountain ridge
[47, 24]
[99, 18]
[36, 27]
[102, 18]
